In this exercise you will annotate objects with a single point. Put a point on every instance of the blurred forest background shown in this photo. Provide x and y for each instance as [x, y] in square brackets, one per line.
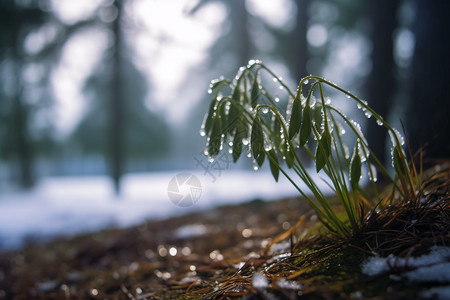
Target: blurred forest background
[119, 86]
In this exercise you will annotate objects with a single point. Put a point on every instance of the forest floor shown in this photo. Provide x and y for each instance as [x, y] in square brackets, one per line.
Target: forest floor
[255, 250]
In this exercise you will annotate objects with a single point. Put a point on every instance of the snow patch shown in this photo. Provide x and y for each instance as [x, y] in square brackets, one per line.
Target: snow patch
[377, 265]
[260, 282]
[432, 267]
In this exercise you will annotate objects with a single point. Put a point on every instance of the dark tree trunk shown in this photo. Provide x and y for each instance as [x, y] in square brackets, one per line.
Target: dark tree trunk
[382, 80]
[239, 19]
[21, 143]
[428, 123]
[300, 46]
[117, 142]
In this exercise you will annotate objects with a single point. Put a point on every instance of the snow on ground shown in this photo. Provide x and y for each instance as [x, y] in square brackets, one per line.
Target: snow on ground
[68, 205]
[428, 268]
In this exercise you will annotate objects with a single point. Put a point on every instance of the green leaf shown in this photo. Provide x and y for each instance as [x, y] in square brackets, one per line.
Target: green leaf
[247, 100]
[223, 119]
[237, 141]
[233, 116]
[274, 166]
[236, 93]
[305, 129]
[257, 141]
[296, 117]
[255, 90]
[215, 139]
[210, 116]
[323, 150]
[276, 133]
[288, 155]
[355, 168]
[318, 116]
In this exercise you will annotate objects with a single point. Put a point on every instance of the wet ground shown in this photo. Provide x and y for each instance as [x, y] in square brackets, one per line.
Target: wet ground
[149, 260]
[256, 250]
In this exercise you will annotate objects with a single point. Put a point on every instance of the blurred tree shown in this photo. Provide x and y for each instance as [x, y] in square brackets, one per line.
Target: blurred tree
[18, 20]
[235, 43]
[381, 84]
[117, 142]
[299, 45]
[118, 124]
[428, 124]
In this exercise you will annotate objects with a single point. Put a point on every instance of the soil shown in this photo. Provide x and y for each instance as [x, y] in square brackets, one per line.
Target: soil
[255, 250]
[148, 260]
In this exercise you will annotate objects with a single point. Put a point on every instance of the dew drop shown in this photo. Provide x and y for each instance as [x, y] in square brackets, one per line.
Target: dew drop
[230, 144]
[281, 87]
[348, 97]
[265, 110]
[306, 81]
[230, 151]
[368, 114]
[372, 173]
[277, 99]
[205, 152]
[346, 151]
[202, 132]
[245, 142]
[255, 167]
[379, 123]
[328, 101]
[275, 79]
[209, 91]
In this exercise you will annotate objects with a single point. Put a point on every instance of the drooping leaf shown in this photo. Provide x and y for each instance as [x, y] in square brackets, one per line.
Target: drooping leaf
[210, 116]
[237, 141]
[276, 133]
[355, 168]
[255, 90]
[318, 116]
[274, 166]
[237, 93]
[215, 139]
[323, 150]
[233, 116]
[222, 111]
[257, 141]
[296, 117]
[288, 155]
[306, 127]
[247, 99]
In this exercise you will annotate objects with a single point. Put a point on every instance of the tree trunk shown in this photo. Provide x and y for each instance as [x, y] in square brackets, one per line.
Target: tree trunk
[382, 80]
[117, 142]
[21, 143]
[428, 123]
[299, 41]
[239, 19]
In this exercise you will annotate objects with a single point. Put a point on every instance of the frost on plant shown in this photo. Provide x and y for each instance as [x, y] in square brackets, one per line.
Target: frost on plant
[243, 115]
